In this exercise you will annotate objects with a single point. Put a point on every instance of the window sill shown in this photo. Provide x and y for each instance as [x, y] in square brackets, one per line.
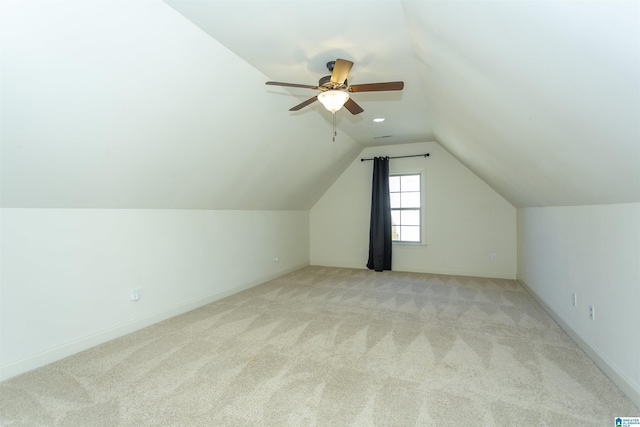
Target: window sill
[409, 244]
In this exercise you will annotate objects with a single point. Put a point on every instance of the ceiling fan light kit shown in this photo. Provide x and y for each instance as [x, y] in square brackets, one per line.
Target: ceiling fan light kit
[333, 100]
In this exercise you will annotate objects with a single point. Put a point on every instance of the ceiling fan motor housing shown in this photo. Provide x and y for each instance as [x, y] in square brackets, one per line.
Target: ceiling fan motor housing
[326, 83]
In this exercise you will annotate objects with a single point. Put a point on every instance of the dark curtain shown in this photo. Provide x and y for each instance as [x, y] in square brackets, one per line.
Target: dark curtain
[380, 226]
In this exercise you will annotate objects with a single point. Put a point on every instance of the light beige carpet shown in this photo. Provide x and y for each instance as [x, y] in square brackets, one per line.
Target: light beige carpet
[333, 347]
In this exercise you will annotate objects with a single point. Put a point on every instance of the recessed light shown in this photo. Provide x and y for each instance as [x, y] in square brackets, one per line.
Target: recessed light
[378, 119]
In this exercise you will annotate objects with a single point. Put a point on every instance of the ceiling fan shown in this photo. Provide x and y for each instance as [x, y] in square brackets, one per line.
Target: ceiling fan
[335, 89]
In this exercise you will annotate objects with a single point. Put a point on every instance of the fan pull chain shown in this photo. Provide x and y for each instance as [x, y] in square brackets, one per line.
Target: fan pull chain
[335, 133]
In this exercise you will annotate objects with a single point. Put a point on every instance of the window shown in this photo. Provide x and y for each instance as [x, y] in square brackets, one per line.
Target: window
[404, 192]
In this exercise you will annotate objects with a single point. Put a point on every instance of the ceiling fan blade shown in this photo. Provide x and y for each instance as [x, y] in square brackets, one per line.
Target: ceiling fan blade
[353, 107]
[377, 87]
[304, 104]
[341, 70]
[291, 85]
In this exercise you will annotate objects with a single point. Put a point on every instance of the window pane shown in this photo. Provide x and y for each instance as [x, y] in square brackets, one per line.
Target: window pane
[395, 217]
[410, 183]
[395, 223]
[411, 217]
[395, 232]
[410, 233]
[395, 200]
[410, 200]
[394, 183]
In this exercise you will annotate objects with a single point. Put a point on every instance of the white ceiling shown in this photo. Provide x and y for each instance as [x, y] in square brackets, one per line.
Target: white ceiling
[128, 104]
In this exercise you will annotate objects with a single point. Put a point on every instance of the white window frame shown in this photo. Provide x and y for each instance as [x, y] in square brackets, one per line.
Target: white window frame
[420, 173]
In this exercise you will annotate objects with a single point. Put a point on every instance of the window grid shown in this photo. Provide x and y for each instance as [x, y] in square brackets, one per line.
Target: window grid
[406, 209]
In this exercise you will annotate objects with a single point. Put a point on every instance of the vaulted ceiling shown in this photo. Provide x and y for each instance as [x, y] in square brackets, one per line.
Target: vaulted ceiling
[151, 104]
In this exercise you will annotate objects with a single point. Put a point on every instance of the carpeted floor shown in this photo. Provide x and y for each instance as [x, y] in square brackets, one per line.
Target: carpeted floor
[333, 347]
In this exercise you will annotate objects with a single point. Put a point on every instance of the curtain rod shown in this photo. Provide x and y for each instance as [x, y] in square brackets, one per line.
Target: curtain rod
[401, 157]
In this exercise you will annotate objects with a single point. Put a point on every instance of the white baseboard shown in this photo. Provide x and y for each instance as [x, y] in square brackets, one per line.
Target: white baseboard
[410, 269]
[60, 352]
[469, 273]
[601, 362]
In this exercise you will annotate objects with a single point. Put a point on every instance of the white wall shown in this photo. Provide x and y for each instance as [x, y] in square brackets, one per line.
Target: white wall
[465, 220]
[593, 251]
[67, 273]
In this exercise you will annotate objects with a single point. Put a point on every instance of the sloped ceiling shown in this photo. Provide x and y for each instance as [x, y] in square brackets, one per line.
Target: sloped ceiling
[163, 105]
[539, 98]
[129, 105]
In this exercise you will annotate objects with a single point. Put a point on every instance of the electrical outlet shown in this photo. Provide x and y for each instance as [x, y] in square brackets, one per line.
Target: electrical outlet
[136, 294]
[275, 258]
[575, 299]
[494, 257]
[592, 312]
